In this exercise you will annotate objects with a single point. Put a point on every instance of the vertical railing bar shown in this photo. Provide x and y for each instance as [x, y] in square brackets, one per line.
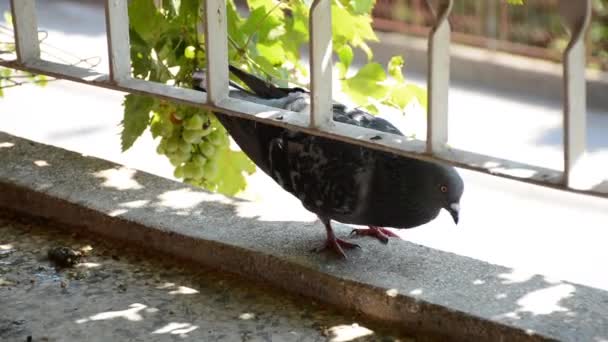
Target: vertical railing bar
[438, 77]
[216, 45]
[577, 15]
[117, 30]
[321, 113]
[25, 24]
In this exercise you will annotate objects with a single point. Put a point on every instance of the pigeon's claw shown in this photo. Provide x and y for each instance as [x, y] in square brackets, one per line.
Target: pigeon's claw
[379, 233]
[338, 246]
[332, 242]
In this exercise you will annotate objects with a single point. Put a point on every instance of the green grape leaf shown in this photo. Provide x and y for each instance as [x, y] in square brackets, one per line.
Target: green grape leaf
[262, 24]
[296, 31]
[351, 28]
[362, 6]
[41, 80]
[394, 68]
[5, 72]
[136, 118]
[145, 19]
[235, 21]
[371, 108]
[186, 11]
[366, 83]
[141, 60]
[232, 165]
[345, 53]
[401, 95]
[268, 6]
[274, 52]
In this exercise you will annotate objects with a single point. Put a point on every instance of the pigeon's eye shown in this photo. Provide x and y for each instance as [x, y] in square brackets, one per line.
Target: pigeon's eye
[443, 188]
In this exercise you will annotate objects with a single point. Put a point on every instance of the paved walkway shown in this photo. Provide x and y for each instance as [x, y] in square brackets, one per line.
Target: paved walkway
[531, 229]
[118, 294]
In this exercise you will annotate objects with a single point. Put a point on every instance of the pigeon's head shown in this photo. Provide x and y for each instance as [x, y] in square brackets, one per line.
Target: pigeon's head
[448, 190]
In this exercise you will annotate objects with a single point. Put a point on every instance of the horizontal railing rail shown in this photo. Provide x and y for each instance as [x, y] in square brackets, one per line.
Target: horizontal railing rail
[576, 15]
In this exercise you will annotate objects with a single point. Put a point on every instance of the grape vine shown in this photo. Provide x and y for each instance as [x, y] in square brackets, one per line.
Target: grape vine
[166, 48]
[12, 78]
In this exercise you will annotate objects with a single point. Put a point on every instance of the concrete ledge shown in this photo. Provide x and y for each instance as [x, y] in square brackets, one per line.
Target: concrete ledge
[487, 69]
[429, 292]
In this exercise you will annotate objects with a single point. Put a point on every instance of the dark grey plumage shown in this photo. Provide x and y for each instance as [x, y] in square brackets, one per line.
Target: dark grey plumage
[340, 181]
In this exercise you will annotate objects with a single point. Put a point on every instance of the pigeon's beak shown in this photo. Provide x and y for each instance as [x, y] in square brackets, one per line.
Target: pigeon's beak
[454, 210]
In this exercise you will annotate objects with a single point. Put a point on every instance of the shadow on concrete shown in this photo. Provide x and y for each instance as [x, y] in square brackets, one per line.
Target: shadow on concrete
[123, 293]
[399, 282]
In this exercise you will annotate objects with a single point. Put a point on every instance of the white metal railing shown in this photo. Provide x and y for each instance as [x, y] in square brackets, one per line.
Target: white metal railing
[576, 15]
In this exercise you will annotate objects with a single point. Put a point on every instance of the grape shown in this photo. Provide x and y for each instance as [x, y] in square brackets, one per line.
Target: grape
[192, 136]
[176, 118]
[160, 149]
[167, 130]
[175, 162]
[191, 170]
[161, 128]
[156, 127]
[207, 149]
[172, 144]
[216, 138]
[189, 52]
[184, 146]
[199, 159]
[190, 140]
[211, 169]
[182, 155]
[179, 172]
[195, 122]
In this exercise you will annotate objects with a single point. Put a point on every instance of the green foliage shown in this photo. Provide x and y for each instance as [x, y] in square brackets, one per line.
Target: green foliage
[598, 33]
[166, 48]
[366, 82]
[135, 122]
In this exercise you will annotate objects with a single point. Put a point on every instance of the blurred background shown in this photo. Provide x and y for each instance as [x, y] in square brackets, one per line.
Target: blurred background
[533, 30]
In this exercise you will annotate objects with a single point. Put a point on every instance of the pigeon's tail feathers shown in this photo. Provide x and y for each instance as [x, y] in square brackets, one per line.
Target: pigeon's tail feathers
[258, 86]
[263, 88]
[199, 82]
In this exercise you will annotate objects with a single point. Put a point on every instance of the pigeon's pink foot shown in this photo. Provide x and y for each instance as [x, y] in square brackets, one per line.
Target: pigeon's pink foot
[379, 233]
[333, 243]
[338, 246]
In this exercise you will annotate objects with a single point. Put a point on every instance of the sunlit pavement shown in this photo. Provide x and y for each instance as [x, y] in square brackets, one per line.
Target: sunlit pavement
[531, 229]
[118, 294]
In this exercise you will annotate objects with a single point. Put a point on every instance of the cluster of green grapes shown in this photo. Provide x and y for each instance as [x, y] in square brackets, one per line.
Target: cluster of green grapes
[191, 139]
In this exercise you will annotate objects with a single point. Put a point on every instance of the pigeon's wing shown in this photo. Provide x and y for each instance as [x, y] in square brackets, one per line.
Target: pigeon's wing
[330, 178]
[341, 113]
[360, 118]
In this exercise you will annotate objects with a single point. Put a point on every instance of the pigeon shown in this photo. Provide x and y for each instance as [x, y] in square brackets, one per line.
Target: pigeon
[336, 180]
